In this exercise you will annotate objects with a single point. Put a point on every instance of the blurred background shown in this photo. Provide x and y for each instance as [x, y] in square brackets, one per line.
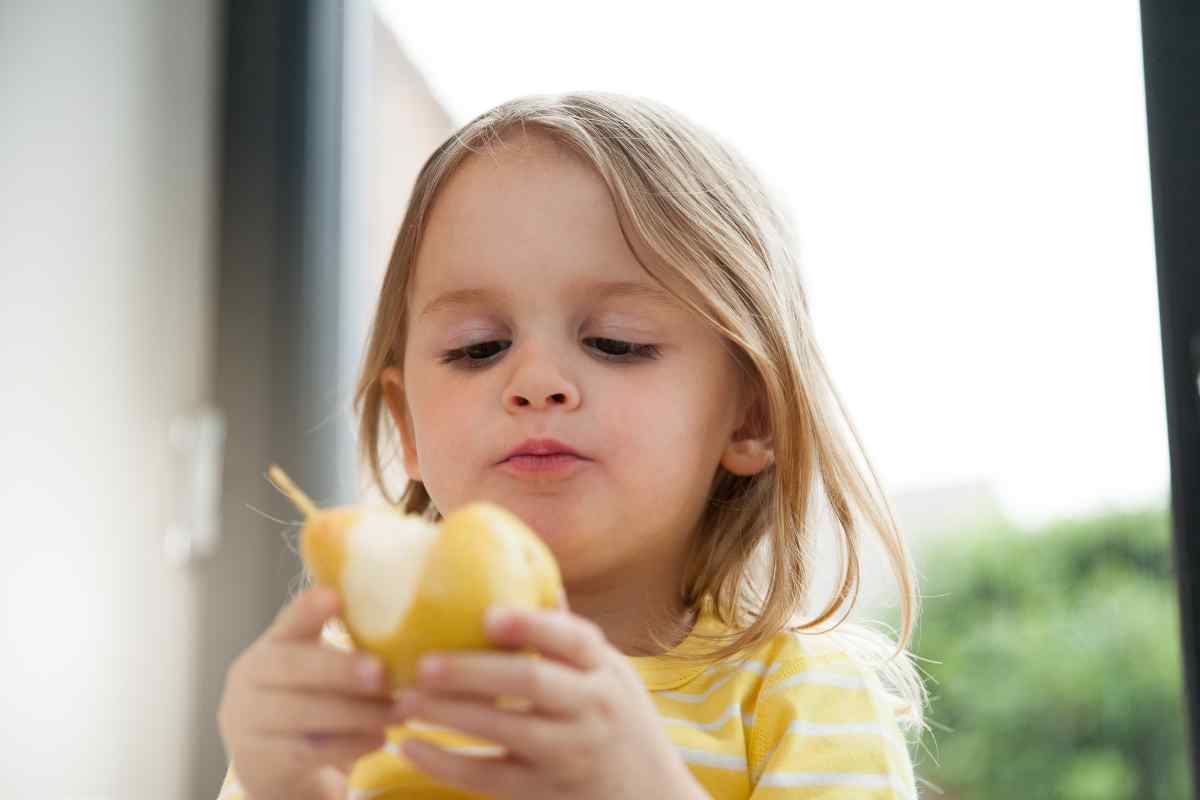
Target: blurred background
[198, 203]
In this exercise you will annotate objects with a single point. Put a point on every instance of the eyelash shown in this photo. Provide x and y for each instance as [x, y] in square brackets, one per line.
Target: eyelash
[637, 352]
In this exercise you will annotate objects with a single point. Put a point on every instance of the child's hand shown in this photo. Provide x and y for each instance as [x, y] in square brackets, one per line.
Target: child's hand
[592, 731]
[296, 714]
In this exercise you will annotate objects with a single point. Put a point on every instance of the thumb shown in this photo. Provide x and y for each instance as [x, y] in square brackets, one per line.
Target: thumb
[305, 616]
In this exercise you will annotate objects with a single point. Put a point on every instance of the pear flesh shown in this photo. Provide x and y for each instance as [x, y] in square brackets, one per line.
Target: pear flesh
[410, 586]
[385, 557]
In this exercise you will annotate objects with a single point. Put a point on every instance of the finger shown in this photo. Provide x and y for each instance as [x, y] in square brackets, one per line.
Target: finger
[287, 712]
[334, 751]
[528, 737]
[502, 776]
[498, 777]
[305, 615]
[309, 666]
[286, 753]
[552, 688]
[559, 635]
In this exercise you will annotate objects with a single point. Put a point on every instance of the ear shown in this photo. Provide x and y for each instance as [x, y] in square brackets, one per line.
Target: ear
[749, 451]
[392, 383]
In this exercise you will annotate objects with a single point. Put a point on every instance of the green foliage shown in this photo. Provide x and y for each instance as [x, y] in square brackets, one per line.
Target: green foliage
[1054, 663]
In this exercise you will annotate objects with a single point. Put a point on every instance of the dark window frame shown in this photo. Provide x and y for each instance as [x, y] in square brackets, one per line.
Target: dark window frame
[1171, 58]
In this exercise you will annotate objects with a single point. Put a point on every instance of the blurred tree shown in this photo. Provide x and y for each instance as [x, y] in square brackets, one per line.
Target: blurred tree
[1054, 662]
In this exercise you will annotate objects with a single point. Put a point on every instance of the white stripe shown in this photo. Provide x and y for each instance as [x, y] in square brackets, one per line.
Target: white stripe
[824, 677]
[697, 697]
[732, 710]
[806, 728]
[826, 778]
[749, 665]
[802, 727]
[732, 669]
[694, 756]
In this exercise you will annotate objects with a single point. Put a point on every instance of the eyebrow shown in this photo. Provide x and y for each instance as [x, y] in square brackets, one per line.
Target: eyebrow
[593, 289]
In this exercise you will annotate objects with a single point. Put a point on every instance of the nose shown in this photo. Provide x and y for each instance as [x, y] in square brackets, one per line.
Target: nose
[538, 384]
[517, 400]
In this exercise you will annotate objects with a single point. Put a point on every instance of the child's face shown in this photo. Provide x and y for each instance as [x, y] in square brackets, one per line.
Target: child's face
[539, 231]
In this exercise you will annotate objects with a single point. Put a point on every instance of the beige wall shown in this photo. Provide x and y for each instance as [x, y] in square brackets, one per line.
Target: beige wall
[107, 152]
[406, 124]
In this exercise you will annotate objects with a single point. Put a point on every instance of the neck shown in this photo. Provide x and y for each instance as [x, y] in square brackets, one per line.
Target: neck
[623, 615]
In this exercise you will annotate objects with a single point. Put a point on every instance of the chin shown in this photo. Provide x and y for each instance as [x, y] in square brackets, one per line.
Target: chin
[544, 516]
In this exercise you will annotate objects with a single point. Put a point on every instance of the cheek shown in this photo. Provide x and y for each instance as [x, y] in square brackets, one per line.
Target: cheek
[442, 416]
[662, 424]
[699, 425]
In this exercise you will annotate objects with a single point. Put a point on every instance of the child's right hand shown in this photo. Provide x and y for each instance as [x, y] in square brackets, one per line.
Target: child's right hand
[295, 713]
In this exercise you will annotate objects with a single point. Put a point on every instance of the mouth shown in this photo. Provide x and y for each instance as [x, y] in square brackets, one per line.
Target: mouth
[541, 448]
[554, 463]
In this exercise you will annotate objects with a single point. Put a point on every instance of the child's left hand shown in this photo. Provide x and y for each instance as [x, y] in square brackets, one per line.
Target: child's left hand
[591, 730]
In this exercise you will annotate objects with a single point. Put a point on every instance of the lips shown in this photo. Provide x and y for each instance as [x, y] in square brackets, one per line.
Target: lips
[542, 467]
[542, 447]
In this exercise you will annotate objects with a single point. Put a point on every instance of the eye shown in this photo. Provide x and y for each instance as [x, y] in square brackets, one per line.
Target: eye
[615, 349]
[479, 355]
[474, 353]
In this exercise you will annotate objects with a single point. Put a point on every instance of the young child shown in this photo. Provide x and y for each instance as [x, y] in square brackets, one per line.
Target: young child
[593, 316]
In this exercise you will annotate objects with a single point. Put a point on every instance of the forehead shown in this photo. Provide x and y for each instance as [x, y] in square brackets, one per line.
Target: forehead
[525, 210]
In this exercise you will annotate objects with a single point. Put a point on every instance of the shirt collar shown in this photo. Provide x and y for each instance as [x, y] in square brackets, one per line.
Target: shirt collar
[659, 672]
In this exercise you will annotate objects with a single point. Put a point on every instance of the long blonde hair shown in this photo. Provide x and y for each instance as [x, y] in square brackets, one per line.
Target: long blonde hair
[698, 206]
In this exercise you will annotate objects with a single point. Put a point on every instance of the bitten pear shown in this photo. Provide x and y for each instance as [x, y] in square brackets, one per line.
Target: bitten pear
[409, 586]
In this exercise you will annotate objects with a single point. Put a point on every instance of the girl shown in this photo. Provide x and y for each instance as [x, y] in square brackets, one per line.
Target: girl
[593, 316]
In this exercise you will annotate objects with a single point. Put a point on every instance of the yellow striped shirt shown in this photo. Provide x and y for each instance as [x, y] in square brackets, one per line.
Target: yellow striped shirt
[797, 717]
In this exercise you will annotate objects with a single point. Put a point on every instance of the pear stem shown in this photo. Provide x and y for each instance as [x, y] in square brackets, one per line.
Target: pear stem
[284, 484]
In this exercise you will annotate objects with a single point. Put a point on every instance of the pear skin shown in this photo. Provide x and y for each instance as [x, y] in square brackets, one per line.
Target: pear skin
[439, 580]
[483, 555]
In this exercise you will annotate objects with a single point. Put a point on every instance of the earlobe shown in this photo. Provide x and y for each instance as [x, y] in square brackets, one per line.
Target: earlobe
[747, 457]
[748, 451]
[393, 394]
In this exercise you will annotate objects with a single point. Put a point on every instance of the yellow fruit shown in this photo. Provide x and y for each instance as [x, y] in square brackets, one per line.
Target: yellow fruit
[409, 586]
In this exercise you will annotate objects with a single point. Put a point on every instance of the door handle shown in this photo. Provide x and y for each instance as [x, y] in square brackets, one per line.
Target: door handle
[197, 444]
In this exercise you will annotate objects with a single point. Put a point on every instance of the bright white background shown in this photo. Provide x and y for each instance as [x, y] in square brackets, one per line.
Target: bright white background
[970, 185]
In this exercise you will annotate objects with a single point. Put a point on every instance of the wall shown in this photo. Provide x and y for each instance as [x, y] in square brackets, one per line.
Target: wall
[106, 324]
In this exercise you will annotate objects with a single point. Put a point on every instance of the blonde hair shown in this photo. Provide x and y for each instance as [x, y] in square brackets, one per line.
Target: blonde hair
[700, 209]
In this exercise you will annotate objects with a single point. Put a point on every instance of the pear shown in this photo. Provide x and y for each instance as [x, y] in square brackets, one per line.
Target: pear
[409, 586]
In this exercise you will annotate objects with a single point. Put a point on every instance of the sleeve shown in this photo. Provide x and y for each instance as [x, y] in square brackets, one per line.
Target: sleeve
[230, 788]
[823, 729]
